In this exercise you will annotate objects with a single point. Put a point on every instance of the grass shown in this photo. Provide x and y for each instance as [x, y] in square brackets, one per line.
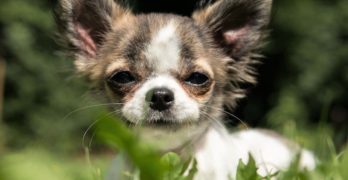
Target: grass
[40, 164]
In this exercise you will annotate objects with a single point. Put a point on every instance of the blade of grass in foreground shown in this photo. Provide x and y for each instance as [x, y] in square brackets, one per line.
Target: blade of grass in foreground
[113, 132]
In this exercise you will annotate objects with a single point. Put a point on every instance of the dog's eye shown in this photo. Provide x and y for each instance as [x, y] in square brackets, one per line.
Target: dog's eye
[122, 77]
[197, 78]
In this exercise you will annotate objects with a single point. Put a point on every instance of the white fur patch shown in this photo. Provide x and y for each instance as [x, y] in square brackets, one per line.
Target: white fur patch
[270, 154]
[163, 52]
[184, 108]
[219, 156]
[215, 159]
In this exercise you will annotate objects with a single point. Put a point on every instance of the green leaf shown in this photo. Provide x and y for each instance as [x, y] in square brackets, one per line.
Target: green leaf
[171, 159]
[145, 158]
[247, 171]
[174, 164]
[192, 171]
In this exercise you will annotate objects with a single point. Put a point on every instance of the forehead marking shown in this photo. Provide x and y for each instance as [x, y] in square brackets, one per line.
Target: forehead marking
[163, 52]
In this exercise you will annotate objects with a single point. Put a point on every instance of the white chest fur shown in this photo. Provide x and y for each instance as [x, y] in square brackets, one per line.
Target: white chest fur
[219, 155]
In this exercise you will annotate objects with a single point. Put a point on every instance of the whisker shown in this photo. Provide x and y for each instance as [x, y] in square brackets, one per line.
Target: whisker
[232, 115]
[96, 121]
[87, 130]
[88, 107]
[90, 127]
[237, 148]
[91, 140]
[213, 119]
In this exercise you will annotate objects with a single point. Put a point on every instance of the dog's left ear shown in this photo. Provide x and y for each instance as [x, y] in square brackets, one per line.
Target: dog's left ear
[237, 25]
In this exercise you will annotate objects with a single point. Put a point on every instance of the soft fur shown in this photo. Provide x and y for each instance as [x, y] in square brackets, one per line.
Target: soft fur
[129, 56]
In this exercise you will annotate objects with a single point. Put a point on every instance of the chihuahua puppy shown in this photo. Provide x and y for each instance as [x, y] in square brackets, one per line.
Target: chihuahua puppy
[173, 75]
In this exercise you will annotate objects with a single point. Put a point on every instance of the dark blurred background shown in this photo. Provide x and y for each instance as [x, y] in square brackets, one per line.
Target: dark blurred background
[303, 81]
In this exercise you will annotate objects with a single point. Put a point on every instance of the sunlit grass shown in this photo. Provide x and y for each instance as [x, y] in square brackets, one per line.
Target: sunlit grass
[40, 164]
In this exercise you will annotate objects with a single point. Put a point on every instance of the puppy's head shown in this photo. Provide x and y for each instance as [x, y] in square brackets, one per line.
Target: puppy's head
[164, 69]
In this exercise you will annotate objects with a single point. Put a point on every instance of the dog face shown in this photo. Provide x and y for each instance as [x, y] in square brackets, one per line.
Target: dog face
[165, 73]
[164, 69]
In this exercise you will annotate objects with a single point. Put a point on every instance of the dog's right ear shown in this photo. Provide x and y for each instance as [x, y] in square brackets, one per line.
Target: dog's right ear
[83, 25]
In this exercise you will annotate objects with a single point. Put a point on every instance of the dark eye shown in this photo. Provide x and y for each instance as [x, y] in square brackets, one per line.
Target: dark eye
[197, 78]
[122, 77]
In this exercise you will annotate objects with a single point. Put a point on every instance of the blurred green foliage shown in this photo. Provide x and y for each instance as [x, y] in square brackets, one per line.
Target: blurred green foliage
[301, 92]
[120, 137]
[309, 46]
[40, 164]
[144, 156]
[40, 89]
[147, 163]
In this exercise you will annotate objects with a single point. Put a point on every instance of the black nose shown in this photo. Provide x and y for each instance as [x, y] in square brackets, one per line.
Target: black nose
[161, 99]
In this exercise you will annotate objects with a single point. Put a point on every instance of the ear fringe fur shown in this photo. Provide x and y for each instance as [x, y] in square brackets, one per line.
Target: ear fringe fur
[68, 12]
[75, 16]
[213, 13]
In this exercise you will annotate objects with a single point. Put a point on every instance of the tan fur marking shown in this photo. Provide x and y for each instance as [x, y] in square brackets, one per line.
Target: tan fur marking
[203, 63]
[114, 66]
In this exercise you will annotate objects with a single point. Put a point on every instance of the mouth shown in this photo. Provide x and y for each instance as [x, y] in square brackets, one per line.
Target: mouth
[159, 124]
[167, 134]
